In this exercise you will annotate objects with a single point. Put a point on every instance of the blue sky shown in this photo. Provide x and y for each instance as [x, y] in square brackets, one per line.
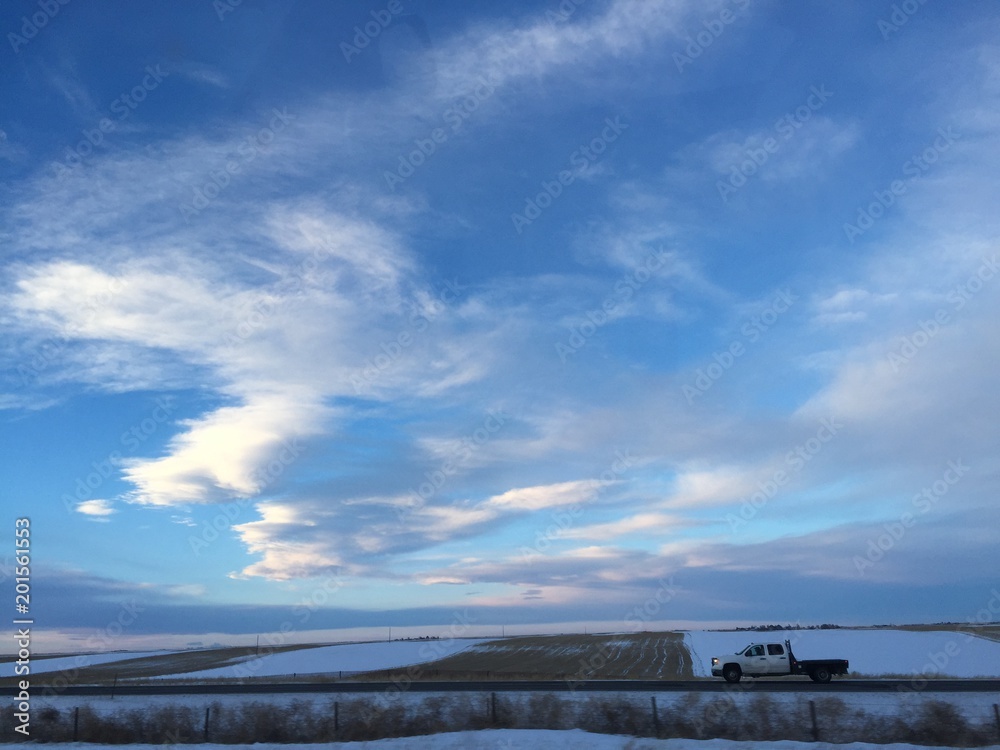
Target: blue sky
[547, 313]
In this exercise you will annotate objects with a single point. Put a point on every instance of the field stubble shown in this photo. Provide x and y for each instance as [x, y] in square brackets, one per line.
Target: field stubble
[613, 656]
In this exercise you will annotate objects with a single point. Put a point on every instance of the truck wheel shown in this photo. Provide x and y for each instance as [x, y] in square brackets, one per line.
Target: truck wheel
[732, 673]
[821, 675]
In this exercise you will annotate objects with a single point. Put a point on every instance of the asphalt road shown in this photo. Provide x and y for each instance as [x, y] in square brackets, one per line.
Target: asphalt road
[539, 686]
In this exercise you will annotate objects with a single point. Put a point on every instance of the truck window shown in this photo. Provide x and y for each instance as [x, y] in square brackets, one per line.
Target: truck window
[775, 649]
[755, 651]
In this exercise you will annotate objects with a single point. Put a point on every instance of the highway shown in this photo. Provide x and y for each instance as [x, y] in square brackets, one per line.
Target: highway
[538, 686]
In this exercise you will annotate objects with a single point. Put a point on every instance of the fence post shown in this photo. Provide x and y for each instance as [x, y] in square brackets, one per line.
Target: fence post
[207, 710]
[336, 717]
[812, 715]
[656, 716]
[996, 715]
[493, 708]
[76, 723]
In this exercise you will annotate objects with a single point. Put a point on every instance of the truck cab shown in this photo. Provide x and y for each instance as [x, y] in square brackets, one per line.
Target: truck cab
[757, 659]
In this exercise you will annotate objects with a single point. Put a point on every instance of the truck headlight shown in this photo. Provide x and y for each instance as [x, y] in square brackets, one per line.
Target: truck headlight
[715, 661]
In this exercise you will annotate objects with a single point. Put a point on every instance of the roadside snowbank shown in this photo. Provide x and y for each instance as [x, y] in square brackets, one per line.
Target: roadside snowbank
[531, 739]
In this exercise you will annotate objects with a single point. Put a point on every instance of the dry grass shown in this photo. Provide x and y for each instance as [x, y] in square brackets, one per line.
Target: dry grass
[759, 719]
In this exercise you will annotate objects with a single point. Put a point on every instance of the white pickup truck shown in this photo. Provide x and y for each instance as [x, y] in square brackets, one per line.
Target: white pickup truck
[772, 660]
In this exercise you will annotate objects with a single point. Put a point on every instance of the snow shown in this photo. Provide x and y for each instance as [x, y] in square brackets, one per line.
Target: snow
[57, 663]
[530, 739]
[870, 652]
[346, 657]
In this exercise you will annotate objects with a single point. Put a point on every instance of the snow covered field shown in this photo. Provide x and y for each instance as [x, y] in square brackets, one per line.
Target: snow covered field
[57, 663]
[346, 657]
[532, 739]
[870, 652]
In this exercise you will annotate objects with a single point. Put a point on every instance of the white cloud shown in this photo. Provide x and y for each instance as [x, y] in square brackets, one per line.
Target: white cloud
[648, 524]
[98, 509]
[717, 486]
[235, 451]
[768, 155]
[849, 305]
[307, 538]
[285, 558]
[204, 74]
[541, 48]
[547, 496]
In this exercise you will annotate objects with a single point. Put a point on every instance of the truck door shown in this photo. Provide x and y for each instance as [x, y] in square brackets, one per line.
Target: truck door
[756, 660]
[777, 659]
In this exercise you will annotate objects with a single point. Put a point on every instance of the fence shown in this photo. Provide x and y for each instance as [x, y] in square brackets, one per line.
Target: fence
[759, 717]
